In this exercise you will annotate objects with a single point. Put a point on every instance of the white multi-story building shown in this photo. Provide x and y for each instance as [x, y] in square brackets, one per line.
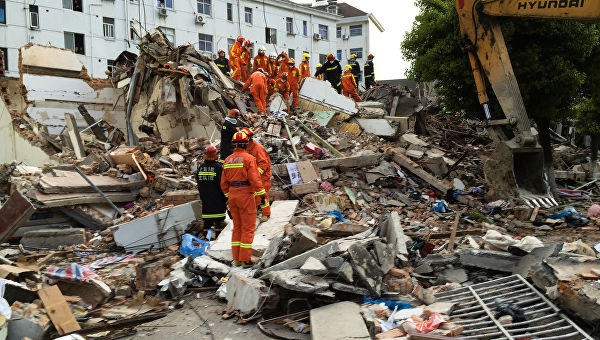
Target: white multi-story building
[98, 30]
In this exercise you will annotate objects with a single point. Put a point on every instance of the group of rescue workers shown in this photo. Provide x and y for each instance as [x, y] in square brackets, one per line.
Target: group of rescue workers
[279, 74]
[238, 181]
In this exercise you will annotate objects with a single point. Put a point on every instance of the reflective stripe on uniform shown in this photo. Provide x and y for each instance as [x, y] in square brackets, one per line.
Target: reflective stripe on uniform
[213, 215]
[233, 165]
[331, 68]
[368, 76]
[261, 171]
[266, 205]
[210, 173]
[246, 245]
[226, 195]
[236, 244]
[260, 192]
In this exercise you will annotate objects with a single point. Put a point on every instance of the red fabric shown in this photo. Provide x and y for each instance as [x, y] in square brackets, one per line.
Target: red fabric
[235, 53]
[283, 62]
[246, 58]
[304, 70]
[240, 166]
[263, 161]
[282, 88]
[294, 80]
[258, 90]
[262, 62]
[274, 68]
[349, 86]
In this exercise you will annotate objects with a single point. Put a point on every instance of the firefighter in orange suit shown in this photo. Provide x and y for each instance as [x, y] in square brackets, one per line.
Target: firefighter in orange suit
[349, 84]
[246, 57]
[282, 86]
[262, 61]
[304, 66]
[274, 65]
[319, 75]
[282, 60]
[263, 161]
[240, 182]
[235, 58]
[294, 80]
[258, 87]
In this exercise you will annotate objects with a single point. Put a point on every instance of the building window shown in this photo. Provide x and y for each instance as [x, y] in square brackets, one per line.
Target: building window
[169, 33]
[2, 11]
[229, 43]
[108, 27]
[34, 16]
[204, 6]
[332, 9]
[292, 53]
[355, 30]
[324, 32]
[305, 28]
[338, 54]
[357, 51]
[322, 58]
[229, 11]
[270, 35]
[74, 5]
[338, 32]
[110, 66]
[164, 3]
[248, 15]
[75, 42]
[205, 42]
[289, 25]
[3, 60]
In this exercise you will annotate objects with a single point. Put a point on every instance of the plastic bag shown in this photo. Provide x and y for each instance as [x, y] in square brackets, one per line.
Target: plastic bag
[4, 306]
[191, 245]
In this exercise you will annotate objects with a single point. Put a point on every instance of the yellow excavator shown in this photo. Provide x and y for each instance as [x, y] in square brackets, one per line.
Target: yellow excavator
[515, 168]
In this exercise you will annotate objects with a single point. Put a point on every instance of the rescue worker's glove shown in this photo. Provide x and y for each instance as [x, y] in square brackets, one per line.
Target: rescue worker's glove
[263, 200]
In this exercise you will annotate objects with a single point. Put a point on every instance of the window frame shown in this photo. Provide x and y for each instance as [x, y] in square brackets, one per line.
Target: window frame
[5, 59]
[229, 13]
[3, 12]
[208, 45]
[248, 15]
[305, 28]
[289, 25]
[70, 5]
[167, 4]
[291, 53]
[110, 66]
[270, 35]
[75, 37]
[338, 32]
[168, 32]
[108, 27]
[338, 54]
[34, 12]
[354, 28]
[358, 51]
[203, 6]
[324, 31]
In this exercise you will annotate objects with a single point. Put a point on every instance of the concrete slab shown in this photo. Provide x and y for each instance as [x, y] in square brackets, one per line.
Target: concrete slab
[313, 266]
[294, 279]
[281, 214]
[53, 238]
[394, 234]
[458, 275]
[488, 259]
[385, 255]
[304, 240]
[314, 91]
[297, 261]
[378, 127]
[348, 288]
[367, 269]
[534, 257]
[245, 294]
[338, 321]
[160, 229]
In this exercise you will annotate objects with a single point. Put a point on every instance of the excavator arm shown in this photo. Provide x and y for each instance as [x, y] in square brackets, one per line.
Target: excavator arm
[515, 168]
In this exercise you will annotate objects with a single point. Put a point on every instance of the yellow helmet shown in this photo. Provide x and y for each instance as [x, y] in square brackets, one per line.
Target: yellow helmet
[353, 56]
[305, 56]
[318, 65]
[347, 68]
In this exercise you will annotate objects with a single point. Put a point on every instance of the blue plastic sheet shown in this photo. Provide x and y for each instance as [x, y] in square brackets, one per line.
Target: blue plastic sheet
[191, 245]
[389, 303]
[337, 214]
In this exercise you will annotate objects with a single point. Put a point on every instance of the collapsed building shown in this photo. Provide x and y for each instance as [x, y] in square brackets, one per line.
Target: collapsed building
[393, 229]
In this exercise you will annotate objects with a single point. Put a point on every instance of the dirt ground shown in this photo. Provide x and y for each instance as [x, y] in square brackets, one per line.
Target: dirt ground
[199, 318]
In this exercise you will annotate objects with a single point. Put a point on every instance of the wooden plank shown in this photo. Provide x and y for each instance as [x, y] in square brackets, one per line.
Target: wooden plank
[14, 213]
[534, 214]
[307, 171]
[70, 181]
[415, 169]
[61, 200]
[343, 162]
[453, 230]
[96, 129]
[58, 310]
[74, 136]
[320, 140]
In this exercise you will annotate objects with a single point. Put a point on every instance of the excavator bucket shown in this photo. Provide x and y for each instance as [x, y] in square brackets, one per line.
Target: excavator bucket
[518, 174]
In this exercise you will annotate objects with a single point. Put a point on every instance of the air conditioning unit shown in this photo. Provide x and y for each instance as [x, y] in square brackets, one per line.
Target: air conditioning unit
[199, 19]
[34, 20]
[345, 36]
[317, 36]
[163, 12]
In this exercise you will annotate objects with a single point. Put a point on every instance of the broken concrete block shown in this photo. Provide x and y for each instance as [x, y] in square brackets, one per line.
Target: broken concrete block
[338, 321]
[245, 294]
[385, 255]
[316, 95]
[346, 272]
[398, 281]
[394, 234]
[313, 266]
[416, 154]
[367, 269]
[408, 139]
[53, 238]
[294, 279]
[488, 259]
[93, 292]
[295, 262]
[534, 257]
[457, 275]
[209, 266]
[304, 240]
[305, 188]
[436, 165]
[333, 262]
[378, 127]
[348, 288]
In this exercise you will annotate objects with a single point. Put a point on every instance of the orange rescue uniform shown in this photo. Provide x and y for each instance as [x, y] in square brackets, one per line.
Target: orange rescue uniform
[240, 182]
[294, 80]
[246, 57]
[304, 69]
[235, 60]
[259, 90]
[282, 88]
[262, 61]
[349, 86]
[263, 161]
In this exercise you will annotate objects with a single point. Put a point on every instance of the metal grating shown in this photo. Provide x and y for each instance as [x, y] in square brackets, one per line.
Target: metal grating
[475, 309]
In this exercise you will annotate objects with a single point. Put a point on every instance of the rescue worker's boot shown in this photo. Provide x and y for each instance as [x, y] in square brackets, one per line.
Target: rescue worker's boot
[264, 218]
[246, 264]
[236, 263]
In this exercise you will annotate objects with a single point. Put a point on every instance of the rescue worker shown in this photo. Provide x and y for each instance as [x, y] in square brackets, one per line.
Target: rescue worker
[294, 81]
[274, 65]
[263, 161]
[355, 68]
[282, 86]
[227, 131]
[246, 57]
[282, 60]
[304, 66]
[240, 183]
[318, 67]
[223, 63]
[262, 61]
[332, 72]
[257, 83]
[349, 84]
[208, 181]
[369, 72]
[235, 60]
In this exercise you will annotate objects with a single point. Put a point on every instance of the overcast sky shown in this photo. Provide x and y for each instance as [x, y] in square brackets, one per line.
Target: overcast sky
[396, 17]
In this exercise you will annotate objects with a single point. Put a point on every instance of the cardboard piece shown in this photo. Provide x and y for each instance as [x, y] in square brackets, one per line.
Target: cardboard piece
[58, 310]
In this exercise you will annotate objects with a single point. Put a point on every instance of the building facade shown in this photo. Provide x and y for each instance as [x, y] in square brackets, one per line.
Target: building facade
[98, 30]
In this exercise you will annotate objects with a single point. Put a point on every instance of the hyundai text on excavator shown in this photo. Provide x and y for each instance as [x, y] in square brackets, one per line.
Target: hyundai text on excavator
[515, 168]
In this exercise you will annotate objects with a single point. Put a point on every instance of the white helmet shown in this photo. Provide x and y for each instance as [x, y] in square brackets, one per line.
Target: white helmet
[262, 49]
[272, 56]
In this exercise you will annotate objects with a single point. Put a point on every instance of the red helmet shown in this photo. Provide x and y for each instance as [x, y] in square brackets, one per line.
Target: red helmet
[239, 137]
[330, 57]
[240, 39]
[370, 56]
[211, 153]
[248, 43]
[248, 132]
[233, 113]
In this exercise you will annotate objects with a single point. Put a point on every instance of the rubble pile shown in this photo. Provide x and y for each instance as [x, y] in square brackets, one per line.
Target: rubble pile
[375, 228]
